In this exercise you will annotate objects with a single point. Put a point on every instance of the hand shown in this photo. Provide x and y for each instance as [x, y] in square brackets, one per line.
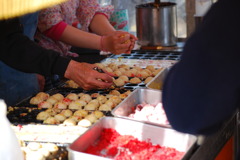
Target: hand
[86, 77]
[119, 42]
[41, 82]
[133, 39]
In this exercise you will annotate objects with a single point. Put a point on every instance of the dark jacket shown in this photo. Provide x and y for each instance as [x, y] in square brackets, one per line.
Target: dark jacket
[202, 90]
[19, 52]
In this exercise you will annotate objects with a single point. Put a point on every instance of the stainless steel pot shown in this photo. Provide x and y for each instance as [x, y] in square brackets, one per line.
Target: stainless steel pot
[156, 24]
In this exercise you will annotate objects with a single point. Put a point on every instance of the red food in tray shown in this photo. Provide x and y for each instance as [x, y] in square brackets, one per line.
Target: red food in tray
[126, 147]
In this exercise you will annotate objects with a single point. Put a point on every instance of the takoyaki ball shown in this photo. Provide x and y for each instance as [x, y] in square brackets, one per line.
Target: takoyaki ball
[60, 117]
[127, 92]
[80, 94]
[95, 95]
[51, 120]
[53, 111]
[90, 107]
[43, 116]
[91, 117]
[142, 74]
[72, 84]
[122, 70]
[84, 123]
[81, 113]
[150, 67]
[67, 113]
[58, 96]
[34, 155]
[157, 71]
[94, 101]
[66, 101]
[76, 118]
[81, 102]
[115, 99]
[70, 122]
[119, 82]
[110, 103]
[124, 78]
[44, 152]
[126, 67]
[113, 66]
[98, 114]
[100, 65]
[101, 99]
[148, 71]
[129, 73]
[108, 69]
[72, 96]
[42, 95]
[45, 104]
[35, 100]
[108, 96]
[50, 111]
[117, 73]
[134, 71]
[86, 97]
[114, 92]
[34, 146]
[52, 100]
[123, 96]
[137, 68]
[135, 80]
[148, 80]
[60, 105]
[53, 148]
[76, 105]
[105, 107]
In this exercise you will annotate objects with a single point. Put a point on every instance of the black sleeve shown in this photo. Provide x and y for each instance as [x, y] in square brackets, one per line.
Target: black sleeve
[19, 52]
[202, 90]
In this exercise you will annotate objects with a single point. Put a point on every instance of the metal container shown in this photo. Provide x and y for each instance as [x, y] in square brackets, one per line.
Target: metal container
[157, 135]
[156, 26]
[157, 81]
[138, 96]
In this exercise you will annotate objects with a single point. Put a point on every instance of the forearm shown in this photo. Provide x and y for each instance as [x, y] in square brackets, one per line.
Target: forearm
[23, 54]
[101, 20]
[79, 38]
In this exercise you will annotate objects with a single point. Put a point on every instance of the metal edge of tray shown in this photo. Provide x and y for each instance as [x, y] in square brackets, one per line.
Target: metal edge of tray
[138, 96]
[170, 137]
[157, 81]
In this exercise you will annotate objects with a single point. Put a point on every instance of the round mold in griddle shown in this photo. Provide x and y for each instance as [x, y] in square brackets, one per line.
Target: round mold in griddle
[103, 92]
[137, 55]
[133, 58]
[171, 59]
[139, 52]
[142, 85]
[130, 85]
[156, 58]
[145, 58]
[129, 88]
[149, 55]
[173, 56]
[126, 55]
[177, 54]
[163, 53]
[161, 56]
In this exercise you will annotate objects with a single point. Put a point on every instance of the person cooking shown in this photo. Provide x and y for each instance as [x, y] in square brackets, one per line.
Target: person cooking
[81, 23]
[19, 52]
